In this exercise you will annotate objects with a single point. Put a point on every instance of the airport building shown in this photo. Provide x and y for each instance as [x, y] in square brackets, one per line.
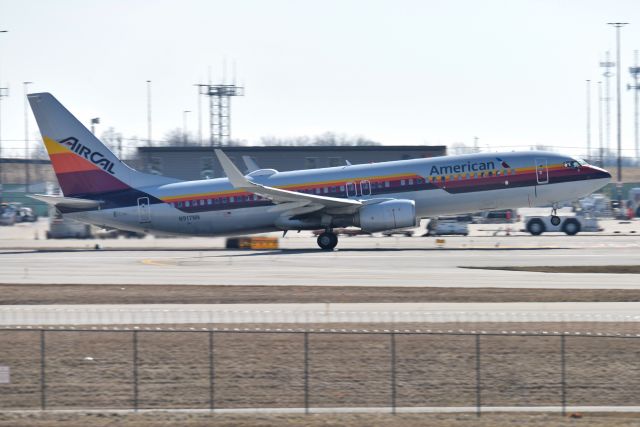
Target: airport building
[190, 163]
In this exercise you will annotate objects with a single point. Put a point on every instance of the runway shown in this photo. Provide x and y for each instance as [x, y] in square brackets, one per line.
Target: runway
[396, 313]
[361, 261]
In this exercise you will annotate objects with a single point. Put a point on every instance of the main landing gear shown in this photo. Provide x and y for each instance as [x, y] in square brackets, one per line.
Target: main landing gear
[555, 219]
[327, 240]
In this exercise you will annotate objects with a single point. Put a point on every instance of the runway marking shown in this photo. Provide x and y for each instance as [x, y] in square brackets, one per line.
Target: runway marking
[159, 263]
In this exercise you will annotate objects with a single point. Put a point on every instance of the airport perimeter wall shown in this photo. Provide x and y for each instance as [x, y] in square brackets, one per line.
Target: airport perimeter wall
[312, 371]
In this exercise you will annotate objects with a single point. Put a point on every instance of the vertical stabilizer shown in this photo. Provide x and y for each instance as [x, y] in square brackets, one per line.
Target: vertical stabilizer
[83, 165]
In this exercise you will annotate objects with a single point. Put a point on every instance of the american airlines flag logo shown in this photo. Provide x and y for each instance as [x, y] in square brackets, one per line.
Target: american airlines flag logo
[503, 163]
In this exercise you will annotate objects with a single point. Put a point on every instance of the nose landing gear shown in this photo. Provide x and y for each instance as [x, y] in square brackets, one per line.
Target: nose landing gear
[327, 240]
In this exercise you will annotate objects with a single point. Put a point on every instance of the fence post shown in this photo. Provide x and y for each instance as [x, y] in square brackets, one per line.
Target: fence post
[478, 386]
[393, 373]
[563, 373]
[306, 372]
[211, 373]
[43, 381]
[135, 371]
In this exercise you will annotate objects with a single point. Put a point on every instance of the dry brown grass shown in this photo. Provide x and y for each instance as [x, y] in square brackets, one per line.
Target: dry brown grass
[267, 370]
[187, 294]
[314, 420]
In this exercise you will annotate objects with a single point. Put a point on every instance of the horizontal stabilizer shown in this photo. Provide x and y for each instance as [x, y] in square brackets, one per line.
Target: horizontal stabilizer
[66, 202]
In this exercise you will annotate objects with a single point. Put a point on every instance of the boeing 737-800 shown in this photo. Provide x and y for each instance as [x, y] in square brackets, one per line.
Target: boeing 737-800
[98, 188]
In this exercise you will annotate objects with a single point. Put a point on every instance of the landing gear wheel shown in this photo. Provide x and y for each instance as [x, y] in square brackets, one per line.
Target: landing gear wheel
[555, 220]
[535, 227]
[327, 241]
[571, 227]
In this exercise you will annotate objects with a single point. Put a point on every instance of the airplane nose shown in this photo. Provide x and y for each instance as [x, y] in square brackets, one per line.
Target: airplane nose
[601, 173]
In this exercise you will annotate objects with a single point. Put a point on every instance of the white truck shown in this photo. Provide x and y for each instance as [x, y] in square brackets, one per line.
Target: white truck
[569, 224]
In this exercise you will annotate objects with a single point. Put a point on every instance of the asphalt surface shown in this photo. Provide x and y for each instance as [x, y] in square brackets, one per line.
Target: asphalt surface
[360, 261]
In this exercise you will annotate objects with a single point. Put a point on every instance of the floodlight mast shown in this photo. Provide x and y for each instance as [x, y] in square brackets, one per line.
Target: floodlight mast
[220, 110]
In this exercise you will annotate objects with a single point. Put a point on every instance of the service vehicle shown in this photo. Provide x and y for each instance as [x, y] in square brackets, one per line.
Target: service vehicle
[447, 225]
[568, 224]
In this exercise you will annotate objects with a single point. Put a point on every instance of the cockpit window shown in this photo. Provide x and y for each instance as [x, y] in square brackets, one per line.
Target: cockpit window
[575, 164]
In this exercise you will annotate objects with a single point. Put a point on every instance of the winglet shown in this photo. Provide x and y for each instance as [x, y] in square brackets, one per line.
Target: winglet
[250, 164]
[236, 178]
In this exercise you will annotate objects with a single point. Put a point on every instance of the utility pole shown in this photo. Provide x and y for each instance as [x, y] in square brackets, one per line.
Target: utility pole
[607, 65]
[148, 113]
[617, 26]
[588, 120]
[635, 71]
[601, 150]
[27, 176]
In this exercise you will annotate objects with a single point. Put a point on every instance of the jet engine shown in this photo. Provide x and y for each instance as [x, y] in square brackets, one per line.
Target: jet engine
[387, 215]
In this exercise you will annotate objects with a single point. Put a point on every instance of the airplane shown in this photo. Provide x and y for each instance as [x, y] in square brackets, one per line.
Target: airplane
[98, 188]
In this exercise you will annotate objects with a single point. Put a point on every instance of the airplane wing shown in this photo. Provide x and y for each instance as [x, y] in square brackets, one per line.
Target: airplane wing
[277, 195]
[65, 202]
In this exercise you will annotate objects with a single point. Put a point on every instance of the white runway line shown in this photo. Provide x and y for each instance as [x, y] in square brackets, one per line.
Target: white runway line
[319, 313]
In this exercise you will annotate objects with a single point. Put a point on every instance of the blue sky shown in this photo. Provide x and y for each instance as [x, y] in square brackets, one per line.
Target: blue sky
[400, 72]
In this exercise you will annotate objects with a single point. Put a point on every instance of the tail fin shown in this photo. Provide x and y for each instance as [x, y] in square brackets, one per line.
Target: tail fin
[83, 165]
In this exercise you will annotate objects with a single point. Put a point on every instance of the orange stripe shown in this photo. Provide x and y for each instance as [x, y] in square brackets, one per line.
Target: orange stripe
[70, 162]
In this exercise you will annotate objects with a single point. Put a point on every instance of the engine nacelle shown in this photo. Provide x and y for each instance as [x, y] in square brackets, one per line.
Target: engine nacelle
[387, 215]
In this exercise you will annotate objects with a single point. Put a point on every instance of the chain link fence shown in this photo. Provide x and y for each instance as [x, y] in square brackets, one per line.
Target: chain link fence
[312, 371]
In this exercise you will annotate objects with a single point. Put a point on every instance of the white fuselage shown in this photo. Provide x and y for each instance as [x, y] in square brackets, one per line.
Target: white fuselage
[206, 207]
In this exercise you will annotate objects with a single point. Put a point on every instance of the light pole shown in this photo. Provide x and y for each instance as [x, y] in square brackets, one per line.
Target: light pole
[635, 73]
[617, 26]
[3, 92]
[184, 126]
[607, 65]
[588, 120]
[149, 113]
[95, 121]
[600, 124]
[27, 176]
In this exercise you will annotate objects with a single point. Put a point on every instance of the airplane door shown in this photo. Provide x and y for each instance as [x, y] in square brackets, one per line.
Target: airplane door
[144, 212]
[542, 172]
[365, 188]
[352, 189]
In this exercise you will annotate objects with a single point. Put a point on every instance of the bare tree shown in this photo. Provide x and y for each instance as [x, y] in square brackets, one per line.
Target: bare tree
[325, 139]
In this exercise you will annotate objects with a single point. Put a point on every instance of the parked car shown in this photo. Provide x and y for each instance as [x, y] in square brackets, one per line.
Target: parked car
[497, 217]
[450, 225]
[25, 214]
[7, 214]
